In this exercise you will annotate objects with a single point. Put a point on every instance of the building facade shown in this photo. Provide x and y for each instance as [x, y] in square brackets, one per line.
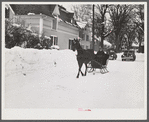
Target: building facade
[85, 34]
[50, 20]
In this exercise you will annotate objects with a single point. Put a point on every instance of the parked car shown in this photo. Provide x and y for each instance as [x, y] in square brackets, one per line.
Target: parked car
[113, 55]
[128, 55]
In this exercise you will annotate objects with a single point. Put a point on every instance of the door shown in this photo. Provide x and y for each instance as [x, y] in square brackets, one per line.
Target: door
[70, 44]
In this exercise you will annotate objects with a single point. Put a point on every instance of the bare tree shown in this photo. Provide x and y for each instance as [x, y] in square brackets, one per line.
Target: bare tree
[101, 28]
[82, 12]
[139, 21]
[130, 31]
[120, 16]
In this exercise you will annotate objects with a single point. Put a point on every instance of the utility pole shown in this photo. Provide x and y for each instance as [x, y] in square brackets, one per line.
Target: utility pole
[93, 28]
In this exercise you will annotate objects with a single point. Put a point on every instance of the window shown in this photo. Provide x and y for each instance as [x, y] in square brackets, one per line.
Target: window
[83, 36]
[48, 23]
[86, 47]
[54, 24]
[87, 37]
[70, 44]
[54, 40]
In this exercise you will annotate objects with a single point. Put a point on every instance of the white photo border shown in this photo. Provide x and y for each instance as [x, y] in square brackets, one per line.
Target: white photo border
[73, 114]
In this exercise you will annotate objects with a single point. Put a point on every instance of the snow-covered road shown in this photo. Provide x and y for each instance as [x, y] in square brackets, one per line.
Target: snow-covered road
[47, 79]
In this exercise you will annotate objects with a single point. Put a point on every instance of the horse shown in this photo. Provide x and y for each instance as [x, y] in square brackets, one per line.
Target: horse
[83, 56]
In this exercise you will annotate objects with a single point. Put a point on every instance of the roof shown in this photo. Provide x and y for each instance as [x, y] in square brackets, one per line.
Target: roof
[46, 9]
[135, 44]
[8, 6]
[82, 24]
[104, 41]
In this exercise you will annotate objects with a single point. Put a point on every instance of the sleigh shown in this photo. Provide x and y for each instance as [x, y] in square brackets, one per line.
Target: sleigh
[91, 60]
[98, 63]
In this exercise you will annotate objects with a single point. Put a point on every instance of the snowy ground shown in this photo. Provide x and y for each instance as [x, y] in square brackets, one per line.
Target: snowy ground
[47, 79]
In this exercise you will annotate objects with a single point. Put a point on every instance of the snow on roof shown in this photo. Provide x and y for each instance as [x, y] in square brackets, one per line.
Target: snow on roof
[31, 14]
[105, 41]
[47, 37]
[29, 28]
[64, 16]
[135, 45]
[142, 43]
[35, 34]
[16, 25]
[82, 24]
[8, 6]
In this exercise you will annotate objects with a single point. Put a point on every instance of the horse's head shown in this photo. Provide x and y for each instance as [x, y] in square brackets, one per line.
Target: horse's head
[75, 44]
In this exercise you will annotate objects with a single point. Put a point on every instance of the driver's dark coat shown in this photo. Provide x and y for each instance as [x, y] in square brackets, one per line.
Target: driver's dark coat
[101, 57]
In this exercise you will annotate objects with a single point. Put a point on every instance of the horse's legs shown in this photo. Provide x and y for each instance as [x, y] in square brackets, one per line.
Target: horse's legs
[81, 72]
[80, 65]
[85, 69]
[78, 74]
[80, 69]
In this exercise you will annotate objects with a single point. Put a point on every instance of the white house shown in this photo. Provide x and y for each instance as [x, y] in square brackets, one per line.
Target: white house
[51, 20]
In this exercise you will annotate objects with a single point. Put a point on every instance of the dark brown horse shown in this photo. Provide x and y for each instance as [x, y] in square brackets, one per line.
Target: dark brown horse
[83, 56]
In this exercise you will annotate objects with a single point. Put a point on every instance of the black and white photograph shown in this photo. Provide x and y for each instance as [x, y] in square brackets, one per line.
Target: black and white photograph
[74, 60]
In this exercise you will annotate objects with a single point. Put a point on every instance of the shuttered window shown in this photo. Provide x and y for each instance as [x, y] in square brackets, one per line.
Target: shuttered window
[54, 40]
[54, 24]
[87, 37]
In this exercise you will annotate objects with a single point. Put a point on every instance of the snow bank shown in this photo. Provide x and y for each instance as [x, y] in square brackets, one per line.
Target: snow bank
[47, 79]
[25, 60]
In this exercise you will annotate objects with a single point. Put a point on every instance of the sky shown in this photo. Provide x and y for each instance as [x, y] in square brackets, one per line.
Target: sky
[67, 6]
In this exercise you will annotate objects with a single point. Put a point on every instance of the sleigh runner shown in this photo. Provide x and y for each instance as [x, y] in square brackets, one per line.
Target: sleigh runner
[94, 64]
